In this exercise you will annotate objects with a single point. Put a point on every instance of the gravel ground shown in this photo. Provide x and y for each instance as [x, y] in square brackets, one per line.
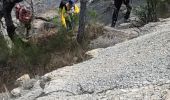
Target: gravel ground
[138, 69]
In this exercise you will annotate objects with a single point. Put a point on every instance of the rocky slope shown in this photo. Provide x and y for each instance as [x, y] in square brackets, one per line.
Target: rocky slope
[138, 69]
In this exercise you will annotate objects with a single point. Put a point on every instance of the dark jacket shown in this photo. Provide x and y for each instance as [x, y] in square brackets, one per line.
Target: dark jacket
[5, 11]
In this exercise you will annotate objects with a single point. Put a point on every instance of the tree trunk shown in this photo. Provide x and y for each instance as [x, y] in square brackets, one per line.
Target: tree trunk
[82, 20]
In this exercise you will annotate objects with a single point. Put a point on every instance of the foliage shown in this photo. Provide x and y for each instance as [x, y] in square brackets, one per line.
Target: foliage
[152, 10]
[55, 20]
[4, 51]
[34, 58]
[163, 8]
[147, 13]
[92, 15]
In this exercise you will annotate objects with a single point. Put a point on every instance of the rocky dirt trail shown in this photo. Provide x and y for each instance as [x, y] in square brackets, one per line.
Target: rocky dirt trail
[127, 64]
[137, 69]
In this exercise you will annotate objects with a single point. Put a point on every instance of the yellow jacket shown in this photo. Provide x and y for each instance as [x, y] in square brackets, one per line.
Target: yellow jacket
[63, 13]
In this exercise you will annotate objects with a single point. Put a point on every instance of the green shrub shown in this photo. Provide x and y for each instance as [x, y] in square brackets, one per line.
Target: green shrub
[28, 54]
[55, 20]
[163, 8]
[152, 10]
[147, 13]
[4, 51]
[92, 16]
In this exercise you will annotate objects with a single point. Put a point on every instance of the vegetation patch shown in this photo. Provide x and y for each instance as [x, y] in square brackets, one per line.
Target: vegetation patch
[152, 10]
[43, 54]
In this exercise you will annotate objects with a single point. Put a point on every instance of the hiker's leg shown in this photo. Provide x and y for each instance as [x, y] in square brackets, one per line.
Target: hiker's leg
[117, 5]
[129, 8]
[69, 23]
[69, 26]
[28, 28]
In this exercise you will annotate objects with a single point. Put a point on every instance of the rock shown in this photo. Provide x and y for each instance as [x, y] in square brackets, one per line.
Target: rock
[25, 82]
[27, 85]
[38, 25]
[4, 33]
[168, 95]
[93, 53]
[44, 80]
[75, 59]
[110, 37]
[4, 96]
[33, 93]
[16, 92]
[23, 79]
[125, 25]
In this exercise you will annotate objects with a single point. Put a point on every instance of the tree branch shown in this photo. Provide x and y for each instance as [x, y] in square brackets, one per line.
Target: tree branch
[42, 18]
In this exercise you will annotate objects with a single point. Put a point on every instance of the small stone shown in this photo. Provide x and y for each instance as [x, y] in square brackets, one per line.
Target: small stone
[93, 53]
[75, 59]
[168, 95]
[16, 92]
[27, 85]
[22, 79]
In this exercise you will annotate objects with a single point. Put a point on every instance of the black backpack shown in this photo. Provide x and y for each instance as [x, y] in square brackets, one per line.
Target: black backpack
[63, 3]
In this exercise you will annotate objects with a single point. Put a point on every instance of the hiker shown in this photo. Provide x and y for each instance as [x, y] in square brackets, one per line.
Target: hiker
[24, 15]
[67, 9]
[5, 11]
[64, 2]
[117, 5]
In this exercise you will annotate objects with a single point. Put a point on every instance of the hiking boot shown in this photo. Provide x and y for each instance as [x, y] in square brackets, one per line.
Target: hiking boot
[126, 20]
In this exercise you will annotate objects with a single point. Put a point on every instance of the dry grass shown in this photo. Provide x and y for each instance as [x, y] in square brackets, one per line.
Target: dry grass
[94, 30]
[42, 55]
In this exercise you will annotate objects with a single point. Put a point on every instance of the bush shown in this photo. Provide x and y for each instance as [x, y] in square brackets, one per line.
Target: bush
[147, 13]
[92, 16]
[4, 51]
[163, 8]
[152, 10]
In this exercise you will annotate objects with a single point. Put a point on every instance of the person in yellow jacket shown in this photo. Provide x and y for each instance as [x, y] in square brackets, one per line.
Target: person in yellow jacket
[68, 10]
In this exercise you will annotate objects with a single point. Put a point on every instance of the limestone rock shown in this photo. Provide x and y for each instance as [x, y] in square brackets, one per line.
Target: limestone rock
[16, 92]
[23, 79]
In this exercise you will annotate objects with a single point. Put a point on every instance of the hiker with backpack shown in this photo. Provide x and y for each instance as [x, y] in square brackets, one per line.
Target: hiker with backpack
[67, 10]
[117, 5]
[24, 15]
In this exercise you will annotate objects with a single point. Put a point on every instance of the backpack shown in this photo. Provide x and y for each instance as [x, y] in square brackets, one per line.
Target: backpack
[23, 14]
[63, 3]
